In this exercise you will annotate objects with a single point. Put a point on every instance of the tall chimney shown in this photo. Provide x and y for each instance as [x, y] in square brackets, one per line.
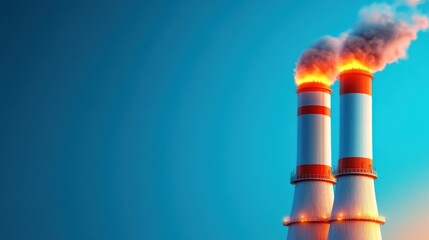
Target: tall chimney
[313, 180]
[355, 214]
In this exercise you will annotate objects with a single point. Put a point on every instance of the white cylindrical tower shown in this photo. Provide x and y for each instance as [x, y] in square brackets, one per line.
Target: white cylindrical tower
[313, 180]
[355, 214]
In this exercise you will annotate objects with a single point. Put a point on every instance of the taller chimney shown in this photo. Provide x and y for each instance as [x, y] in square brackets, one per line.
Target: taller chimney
[313, 180]
[355, 214]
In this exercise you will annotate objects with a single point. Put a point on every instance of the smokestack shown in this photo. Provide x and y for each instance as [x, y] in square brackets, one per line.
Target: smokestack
[313, 180]
[355, 212]
[381, 36]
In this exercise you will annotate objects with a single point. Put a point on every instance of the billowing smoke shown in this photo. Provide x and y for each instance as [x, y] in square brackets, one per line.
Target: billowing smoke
[414, 3]
[381, 36]
[319, 63]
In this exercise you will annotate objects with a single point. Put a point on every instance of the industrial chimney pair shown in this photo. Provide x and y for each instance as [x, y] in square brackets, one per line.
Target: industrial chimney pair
[351, 213]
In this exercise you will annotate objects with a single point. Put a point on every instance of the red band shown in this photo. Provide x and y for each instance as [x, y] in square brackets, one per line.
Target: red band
[313, 87]
[355, 163]
[355, 81]
[355, 166]
[313, 169]
[313, 172]
[314, 109]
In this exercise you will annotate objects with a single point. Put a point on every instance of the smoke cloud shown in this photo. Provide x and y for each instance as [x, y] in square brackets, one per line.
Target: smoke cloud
[414, 3]
[381, 36]
[320, 61]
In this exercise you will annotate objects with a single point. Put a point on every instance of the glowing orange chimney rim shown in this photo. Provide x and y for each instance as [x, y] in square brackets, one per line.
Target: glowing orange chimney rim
[354, 64]
[324, 79]
[313, 78]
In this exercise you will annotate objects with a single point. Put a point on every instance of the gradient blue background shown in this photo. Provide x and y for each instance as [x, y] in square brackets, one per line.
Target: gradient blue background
[177, 119]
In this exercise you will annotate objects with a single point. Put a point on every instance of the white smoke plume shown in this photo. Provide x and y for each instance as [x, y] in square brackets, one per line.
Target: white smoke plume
[381, 36]
[414, 3]
[320, 60]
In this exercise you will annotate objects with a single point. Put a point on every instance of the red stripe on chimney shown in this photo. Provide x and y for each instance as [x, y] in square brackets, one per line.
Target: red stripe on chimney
[314, 109]
[313, 169]
[354, 163]
[313, 87]
[355, 81]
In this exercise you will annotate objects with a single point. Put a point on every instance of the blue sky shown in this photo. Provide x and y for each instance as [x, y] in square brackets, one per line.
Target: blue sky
[177, 119]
